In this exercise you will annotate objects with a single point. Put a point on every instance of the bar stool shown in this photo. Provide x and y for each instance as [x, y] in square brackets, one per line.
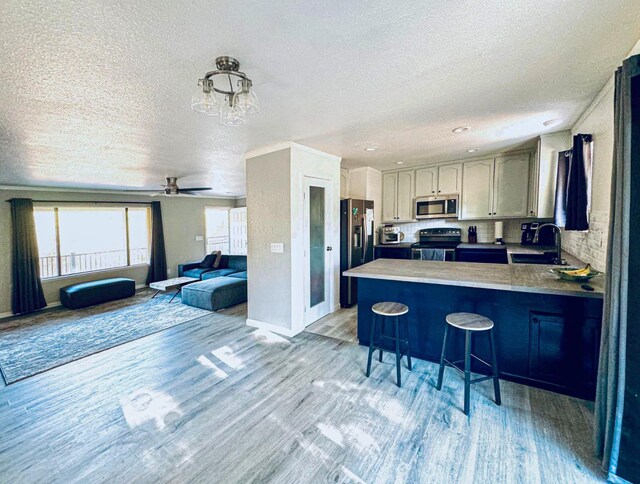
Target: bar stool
[384, 310]
[470, 323]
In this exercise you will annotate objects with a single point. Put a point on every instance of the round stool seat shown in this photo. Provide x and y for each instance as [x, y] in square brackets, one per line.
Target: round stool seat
[390, 309]
[469, 321]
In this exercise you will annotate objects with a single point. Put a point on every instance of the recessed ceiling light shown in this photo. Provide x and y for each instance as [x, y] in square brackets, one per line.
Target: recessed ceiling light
[472, 150]
[461, 129]
[399, 162]
[371, 148]
[552, 122]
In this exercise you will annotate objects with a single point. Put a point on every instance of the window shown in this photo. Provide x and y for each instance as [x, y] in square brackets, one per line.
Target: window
[217, 229]
[82, 239]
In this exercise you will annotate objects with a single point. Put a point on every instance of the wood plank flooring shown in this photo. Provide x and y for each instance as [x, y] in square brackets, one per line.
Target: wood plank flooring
[342, 325]
[214, 400]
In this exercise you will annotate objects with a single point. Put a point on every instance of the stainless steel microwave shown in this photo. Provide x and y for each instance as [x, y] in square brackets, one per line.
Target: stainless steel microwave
[439, 206]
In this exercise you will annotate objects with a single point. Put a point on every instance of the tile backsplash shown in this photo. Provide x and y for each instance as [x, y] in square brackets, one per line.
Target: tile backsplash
[590, 246]
[486, 228]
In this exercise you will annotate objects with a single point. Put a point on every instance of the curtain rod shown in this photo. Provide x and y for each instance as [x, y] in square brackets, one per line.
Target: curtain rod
[87, 202]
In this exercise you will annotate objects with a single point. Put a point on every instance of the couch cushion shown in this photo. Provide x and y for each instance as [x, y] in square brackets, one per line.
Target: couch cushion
[215, 293]
[237, 262]
[239, 275]
[197, 272]
[95, 292]
[217, 273]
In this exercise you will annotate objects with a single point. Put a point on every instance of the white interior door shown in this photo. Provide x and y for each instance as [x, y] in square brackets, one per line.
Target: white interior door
[238, 231]
[318, 250]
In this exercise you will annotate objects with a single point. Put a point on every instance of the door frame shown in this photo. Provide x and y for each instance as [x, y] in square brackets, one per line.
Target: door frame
[326, 307]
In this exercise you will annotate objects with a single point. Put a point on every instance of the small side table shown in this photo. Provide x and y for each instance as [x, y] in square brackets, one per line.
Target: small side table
[175, 284]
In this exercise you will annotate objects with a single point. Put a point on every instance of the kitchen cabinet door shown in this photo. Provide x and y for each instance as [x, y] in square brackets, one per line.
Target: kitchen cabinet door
[511, 187]
[389, 197]
[405, 196]
[477, 190]
[563, 349]
[449, 179]
[426, 181]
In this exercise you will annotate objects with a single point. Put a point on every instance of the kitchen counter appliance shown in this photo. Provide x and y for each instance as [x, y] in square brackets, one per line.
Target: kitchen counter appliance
[390, 235]
[440, 206]
[444, 238]
[356, 244]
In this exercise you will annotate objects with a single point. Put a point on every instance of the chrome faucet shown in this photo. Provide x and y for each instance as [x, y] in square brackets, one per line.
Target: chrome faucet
[558, 241]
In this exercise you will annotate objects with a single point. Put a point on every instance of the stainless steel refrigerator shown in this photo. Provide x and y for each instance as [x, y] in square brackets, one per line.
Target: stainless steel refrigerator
[356, 244]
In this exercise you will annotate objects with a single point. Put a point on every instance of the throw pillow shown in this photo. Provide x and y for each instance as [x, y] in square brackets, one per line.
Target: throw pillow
[218, 254]
[208, 261]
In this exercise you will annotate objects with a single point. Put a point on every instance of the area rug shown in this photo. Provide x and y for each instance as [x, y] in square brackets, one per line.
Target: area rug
[47, 339]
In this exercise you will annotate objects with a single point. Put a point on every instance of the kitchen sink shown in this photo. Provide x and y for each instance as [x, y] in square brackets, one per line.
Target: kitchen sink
[527, 258]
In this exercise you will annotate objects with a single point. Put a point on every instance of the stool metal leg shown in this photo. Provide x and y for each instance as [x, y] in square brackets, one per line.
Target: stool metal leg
[444, 348]
[406, 328]
[398, 357]
[382, 325]
[371, 337]
[467, 370]
[494, 367]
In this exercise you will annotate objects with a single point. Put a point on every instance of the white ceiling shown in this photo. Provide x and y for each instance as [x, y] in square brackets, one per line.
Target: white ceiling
[96, 94]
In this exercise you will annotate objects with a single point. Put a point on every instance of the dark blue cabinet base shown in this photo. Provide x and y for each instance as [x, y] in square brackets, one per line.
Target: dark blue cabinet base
[546, 341]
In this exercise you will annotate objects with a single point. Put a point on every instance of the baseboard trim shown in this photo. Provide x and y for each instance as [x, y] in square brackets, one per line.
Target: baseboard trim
[274, 328]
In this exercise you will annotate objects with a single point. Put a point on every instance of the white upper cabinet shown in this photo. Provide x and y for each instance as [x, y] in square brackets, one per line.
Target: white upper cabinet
[405, 196]
[426, 181]
[397, 196]
[389, 197]
[449, 179]
[477, 189]
[511, 186]
[438, 180]
[344, 183]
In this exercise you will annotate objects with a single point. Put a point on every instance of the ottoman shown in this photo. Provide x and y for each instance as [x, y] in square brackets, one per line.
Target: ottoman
[215, 293]
[95, 292]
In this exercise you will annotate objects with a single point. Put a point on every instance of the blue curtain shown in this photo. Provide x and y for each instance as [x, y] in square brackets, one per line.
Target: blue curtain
[158, 259]
[617, 410]
[26, 293]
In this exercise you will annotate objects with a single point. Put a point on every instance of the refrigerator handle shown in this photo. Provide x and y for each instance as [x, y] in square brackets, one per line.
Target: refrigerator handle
[365, 239]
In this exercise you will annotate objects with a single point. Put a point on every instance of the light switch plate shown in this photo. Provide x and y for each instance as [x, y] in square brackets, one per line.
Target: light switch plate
[199, 238]
[277, 247]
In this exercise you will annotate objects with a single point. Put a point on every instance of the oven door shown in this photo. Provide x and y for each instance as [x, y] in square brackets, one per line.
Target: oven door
[428, 254]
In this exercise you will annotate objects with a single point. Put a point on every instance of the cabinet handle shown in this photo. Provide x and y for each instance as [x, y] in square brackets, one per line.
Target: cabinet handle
[489, 213]
[494, 213]
[433, 191]
[535, 321]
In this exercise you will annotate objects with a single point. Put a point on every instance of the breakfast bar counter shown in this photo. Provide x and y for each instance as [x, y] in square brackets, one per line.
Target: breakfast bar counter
[547, 330]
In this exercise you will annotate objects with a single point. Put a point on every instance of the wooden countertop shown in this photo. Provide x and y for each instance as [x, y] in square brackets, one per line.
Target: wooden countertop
[534, 278]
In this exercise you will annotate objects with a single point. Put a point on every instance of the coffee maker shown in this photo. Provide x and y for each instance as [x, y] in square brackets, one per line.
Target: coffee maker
[529, 231]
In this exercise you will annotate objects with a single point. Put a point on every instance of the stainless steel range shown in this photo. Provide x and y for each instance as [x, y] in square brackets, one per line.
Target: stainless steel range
[445, 239]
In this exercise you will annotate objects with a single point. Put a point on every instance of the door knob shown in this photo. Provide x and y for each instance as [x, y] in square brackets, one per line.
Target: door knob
[329, 248]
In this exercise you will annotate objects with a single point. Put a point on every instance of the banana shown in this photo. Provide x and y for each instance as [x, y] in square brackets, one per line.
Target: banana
[585, 271]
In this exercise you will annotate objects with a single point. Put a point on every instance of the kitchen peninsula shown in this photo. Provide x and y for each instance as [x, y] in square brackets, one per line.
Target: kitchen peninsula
[547, 330]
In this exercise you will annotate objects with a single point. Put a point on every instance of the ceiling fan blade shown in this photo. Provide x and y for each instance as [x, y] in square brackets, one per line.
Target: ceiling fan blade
[157, 193]
[188, 193]
[139, 191]
[200, 189]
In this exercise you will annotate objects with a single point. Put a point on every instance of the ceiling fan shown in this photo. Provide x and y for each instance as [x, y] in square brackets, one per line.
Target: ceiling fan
[171, 189]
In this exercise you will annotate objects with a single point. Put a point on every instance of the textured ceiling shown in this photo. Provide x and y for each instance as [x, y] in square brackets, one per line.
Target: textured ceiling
[96, 94]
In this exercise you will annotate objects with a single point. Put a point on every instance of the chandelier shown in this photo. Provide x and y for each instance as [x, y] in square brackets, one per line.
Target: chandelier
[232, 104]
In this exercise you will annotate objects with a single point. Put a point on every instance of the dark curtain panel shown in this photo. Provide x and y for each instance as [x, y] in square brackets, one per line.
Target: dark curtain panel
[158, 262]
[560, 215]
[617, 411]
[27, 295]
[578, 181]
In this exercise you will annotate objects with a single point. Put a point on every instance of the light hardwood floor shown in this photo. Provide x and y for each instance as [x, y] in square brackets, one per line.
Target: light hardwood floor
[214, 400]
[340, 325]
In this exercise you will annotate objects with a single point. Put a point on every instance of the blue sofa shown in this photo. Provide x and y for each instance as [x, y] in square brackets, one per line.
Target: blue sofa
[229, 264]
[216, 292]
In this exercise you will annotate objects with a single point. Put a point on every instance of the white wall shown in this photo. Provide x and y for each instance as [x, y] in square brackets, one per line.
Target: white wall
[183, 220]
[597, 120]
[275, 208]
[269, 220]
